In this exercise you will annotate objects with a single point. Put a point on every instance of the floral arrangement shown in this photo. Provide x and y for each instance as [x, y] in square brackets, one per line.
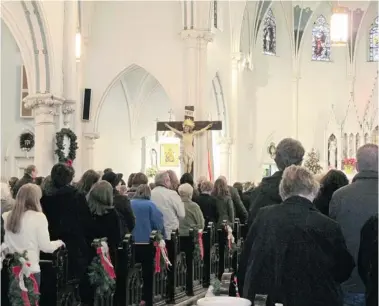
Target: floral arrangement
[349, 164]
[152, 171]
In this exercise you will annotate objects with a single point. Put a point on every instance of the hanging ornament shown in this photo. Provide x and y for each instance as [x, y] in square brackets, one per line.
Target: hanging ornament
[339, 26]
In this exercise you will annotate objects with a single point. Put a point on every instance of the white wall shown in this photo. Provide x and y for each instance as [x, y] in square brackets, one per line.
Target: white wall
[11, 123]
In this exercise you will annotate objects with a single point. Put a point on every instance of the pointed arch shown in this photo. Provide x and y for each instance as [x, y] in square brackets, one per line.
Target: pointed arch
[269, 33]
[373, 41]
[332, 152]
[321, 40]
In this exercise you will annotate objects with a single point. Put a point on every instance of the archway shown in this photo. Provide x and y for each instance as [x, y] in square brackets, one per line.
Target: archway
[126, 118]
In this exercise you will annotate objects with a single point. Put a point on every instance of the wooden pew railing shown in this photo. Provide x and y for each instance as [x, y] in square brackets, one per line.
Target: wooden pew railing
[162, 285]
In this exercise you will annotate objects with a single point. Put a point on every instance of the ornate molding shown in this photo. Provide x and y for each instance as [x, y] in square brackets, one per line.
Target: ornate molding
[197, 35]
[92, 136]
[68, 107]
[42, 100]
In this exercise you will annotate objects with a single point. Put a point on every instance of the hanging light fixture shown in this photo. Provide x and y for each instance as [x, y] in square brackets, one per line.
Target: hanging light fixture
[339, 26]
[78, 45]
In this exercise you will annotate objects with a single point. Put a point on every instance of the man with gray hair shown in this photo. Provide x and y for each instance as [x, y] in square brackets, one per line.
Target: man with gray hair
[288, 152]
[168, 202]
[351, 206]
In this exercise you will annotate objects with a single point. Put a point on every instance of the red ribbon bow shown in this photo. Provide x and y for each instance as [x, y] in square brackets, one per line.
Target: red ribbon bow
[69, 162]
[236, 284]
[24, 294]
[157, 258]
[108, 268]
[200, 237]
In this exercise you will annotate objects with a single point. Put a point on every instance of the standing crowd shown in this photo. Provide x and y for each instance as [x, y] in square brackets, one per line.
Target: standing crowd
[311, 241]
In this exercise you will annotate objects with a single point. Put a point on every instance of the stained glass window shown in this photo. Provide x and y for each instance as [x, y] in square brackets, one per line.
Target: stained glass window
[374, 42]
[321, 40]
[269, 33]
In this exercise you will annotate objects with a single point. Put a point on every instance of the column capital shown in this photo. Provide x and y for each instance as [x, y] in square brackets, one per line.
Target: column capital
[44, 106]
[42, 99]
[197, 35]
[91, 136]
[68, 107]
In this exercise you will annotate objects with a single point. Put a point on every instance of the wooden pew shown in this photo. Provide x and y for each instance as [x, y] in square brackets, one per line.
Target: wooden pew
[176, 274]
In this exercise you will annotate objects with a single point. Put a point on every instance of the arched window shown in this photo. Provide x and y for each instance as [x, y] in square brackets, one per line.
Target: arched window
[269, 33]
[321, 40]
[373, 55]
[374, 137]
[351, 145]
[357, 142]
[332, 152]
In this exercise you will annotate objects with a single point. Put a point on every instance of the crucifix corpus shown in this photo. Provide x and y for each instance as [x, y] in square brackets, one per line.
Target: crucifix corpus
[187, 129]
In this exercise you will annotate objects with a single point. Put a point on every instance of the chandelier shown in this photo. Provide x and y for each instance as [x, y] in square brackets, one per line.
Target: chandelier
[339, 26]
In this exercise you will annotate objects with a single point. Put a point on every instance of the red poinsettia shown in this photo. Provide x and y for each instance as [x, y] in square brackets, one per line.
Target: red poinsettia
[349, 162]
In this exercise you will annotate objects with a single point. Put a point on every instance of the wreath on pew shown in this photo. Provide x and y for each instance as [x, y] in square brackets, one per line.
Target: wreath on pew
[161, 255]
[101, 271]
[23, 287]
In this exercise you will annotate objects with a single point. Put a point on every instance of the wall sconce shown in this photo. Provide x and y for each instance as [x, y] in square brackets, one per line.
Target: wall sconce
[78, 45]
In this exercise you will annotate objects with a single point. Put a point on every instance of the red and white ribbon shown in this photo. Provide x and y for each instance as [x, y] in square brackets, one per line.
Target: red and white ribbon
[201, 245]
[105, 260]
[160, 249]
[24, 271]
[230, 236]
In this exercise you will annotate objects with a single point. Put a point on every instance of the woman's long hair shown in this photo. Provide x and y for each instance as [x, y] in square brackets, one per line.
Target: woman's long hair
[88, 179]
[220, 188]
[100, 198]
[173, 179]
[28, 198]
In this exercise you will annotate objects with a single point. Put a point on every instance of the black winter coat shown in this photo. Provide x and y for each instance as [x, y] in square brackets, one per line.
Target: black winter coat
[368, 260]
[124, 210]
[267, 193]
[26, 179]
[70, 220]
[209, 208]
[298, 256]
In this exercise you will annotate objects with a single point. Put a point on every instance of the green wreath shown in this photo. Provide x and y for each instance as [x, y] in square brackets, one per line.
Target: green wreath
[60, 146]
[27, 141]
[14, 291]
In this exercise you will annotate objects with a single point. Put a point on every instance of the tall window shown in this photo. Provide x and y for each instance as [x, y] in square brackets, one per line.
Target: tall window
[373, 55]
[215, 21]
[321, 40]
[269, 34]
[24, 112]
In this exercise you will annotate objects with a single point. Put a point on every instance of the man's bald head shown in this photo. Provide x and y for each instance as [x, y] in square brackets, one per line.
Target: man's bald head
[367, 158]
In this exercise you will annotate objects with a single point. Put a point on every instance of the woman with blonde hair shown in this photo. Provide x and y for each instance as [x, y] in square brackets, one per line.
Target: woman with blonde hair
[26, 228]
[225, 205]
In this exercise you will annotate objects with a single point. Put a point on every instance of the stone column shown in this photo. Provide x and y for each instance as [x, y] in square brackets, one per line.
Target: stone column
[44, 109]
[195, 84]
[225, 157]
[70, 86]
[234, 102]
[295, 105]
[89, 145]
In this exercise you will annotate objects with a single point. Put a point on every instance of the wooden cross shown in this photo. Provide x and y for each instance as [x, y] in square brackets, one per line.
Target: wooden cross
[189, 114]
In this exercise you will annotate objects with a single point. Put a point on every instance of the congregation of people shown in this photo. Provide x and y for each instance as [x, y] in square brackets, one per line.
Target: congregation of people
[312, 240]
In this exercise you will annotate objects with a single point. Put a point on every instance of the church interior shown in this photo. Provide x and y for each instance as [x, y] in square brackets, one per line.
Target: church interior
[110, 71]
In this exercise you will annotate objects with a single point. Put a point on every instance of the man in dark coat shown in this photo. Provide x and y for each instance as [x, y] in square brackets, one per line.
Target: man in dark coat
[351, 206]
[368, 260]
[288, 152]
[121, 203]
[30, 174]
[298, 256]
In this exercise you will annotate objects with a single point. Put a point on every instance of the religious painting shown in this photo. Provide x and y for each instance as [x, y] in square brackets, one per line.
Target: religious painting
[269, 34]
[332, 152]
[373, 55]
[321, 40]
[374, 137]
[24, 112]
[366, 138]
[357, 142]
[170, 154]
[351, 145]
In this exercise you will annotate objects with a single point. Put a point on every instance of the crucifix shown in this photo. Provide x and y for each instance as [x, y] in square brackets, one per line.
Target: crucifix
[187, 129]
